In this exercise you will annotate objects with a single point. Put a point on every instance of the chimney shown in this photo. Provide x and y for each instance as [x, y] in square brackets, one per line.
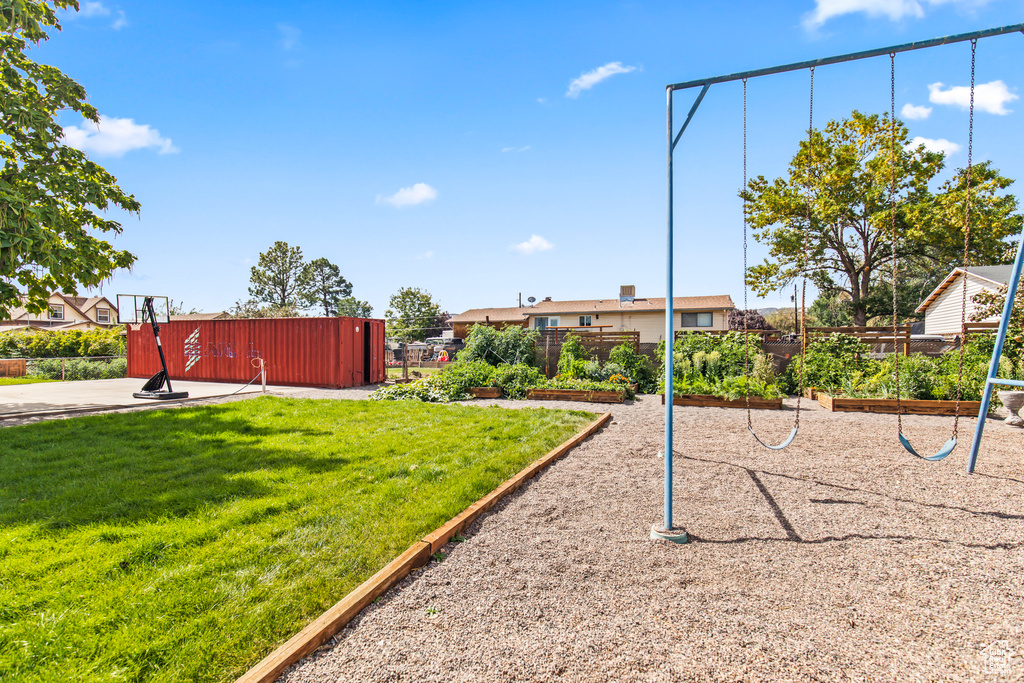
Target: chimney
[547, 298]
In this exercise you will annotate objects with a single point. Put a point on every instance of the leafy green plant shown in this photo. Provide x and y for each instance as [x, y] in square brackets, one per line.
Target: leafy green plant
[714, 364]
[512, 345]
[634, 365]
[573, 357]
[516, 380]
[78, 368]
[827, 361]
[589, 385]
[62, 343]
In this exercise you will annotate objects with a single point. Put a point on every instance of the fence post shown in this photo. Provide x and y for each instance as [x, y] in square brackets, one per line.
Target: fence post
[62, 361]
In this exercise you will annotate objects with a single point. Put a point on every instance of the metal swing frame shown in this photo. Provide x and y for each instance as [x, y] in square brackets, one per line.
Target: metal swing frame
[666, 530]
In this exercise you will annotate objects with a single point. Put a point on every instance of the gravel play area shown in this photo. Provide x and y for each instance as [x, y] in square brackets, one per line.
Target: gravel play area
[839, 558]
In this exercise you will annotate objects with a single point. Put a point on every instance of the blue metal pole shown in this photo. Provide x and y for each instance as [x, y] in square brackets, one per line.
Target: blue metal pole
[997, 352]
[669, 341]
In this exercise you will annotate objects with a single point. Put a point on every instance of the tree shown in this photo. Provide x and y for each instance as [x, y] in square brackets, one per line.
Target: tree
[322, 285]
[50, 193]
[832, 311]
[749, 320]
[841, 178]
[256, 309]
[277, 278]
[352, 307]
[412, 314]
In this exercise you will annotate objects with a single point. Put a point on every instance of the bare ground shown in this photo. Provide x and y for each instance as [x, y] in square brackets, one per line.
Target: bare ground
[840, 558]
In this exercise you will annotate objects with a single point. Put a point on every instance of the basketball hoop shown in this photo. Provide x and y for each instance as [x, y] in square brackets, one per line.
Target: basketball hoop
[135, 327]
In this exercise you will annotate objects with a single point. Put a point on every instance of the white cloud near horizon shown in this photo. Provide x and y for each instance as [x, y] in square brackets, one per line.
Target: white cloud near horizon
[409, 196]
[894, 10]
[988, 97]
[120, 22]
[289, 36]
[589, 79]
[915, 112]
[515, 149]
[934, 145]
[427, 255]
[534, 244]
[114, 137]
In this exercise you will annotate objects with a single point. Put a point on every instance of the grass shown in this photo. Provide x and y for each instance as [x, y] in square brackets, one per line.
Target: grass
[186, 544]
[397, 372]
[8, 381]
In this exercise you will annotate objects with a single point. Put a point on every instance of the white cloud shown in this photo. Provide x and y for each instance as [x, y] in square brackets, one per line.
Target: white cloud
[515, 149]
[289, 37]
[93, 9]
[913, 111]
[120, 22]
[535, 243]
[591, 78]
[988, 97]
[893, 9]
[427, 255]
[542, 100]
[409, 196]
[113, 137]
[939, 145]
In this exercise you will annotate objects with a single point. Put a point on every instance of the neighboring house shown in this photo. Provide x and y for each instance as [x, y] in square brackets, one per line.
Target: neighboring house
[943, 307]
[220, 315]
[492, 317]
[66, 312]
[625, 313]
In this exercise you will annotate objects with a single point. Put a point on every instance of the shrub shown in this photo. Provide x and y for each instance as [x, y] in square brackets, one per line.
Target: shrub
[512, 345]
[515, 380]
[634, 365]
[463, 374]
[573, 357]
[62, 343]
[713, 364]
[79, 368]
[827, 361]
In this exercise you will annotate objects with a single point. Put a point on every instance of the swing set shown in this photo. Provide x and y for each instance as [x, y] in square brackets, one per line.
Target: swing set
[666, 530]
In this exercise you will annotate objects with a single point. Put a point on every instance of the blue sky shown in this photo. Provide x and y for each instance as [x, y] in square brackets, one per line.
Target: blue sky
[479, 150]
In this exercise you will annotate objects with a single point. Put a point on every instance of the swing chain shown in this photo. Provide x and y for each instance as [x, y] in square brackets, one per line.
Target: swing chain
[967, 243]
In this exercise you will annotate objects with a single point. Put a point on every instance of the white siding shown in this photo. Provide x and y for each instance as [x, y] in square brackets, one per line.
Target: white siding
[943, 316]
[650, 324]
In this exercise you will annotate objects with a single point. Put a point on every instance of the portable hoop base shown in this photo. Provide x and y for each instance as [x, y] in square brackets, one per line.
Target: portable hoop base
[161, 395]
[674, 535]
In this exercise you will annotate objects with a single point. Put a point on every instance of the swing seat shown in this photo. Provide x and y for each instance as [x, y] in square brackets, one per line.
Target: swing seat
[789, 439]
[946, 449]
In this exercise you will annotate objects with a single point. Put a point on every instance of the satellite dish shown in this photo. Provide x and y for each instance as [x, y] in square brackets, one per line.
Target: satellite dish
[531, 299]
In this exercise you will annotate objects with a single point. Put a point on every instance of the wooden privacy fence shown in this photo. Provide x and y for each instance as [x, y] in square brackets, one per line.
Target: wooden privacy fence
[599, 343]
[873, 336]
[980, 328]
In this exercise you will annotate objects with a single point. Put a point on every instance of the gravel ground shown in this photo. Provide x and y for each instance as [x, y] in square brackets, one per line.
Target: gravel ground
[840, 558]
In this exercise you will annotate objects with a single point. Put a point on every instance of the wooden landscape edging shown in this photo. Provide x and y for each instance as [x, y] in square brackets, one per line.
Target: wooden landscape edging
[888, 405]
[484, 392]
[588, 395]
[709, 401]
[321, 629]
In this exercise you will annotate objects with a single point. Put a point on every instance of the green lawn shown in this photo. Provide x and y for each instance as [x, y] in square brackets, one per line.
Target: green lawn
[397, 372]
[186, 544]
[7, 381]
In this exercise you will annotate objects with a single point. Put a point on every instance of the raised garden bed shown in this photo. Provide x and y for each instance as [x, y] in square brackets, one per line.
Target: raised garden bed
[888, 405]
[707, 401]
[576, 395]
[484, 392]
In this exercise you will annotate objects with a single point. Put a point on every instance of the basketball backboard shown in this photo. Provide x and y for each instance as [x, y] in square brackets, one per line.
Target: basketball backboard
[131, 308]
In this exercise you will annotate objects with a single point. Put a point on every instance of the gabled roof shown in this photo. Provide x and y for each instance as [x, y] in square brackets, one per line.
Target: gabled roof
[996, 275]
[679, 303]
[494, 315]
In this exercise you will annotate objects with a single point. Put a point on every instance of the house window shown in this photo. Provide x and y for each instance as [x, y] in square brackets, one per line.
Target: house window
[103, 315]
[57, 312]
[698, 320]
[541, 322]
[584, 321]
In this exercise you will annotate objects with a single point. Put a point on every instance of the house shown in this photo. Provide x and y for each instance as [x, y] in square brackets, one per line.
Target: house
[219, 315]
[66, 312]
[943, 307]
[624, 313]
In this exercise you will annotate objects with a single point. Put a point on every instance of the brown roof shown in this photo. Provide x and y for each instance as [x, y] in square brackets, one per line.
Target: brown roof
[201, 316]
[679, 303]
[494, 315]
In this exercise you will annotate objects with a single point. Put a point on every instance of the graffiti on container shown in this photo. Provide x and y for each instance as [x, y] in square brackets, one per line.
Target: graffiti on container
[195, 350]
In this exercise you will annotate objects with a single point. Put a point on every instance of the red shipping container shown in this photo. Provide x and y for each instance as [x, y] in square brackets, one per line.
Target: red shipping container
[305, 352]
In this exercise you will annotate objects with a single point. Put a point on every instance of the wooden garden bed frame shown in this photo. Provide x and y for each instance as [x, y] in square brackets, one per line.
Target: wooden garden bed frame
[484, 392]
[576, 395]
[888, 405]
[708, 401]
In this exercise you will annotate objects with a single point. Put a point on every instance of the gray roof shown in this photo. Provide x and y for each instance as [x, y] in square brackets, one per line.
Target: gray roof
[1000, 274]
